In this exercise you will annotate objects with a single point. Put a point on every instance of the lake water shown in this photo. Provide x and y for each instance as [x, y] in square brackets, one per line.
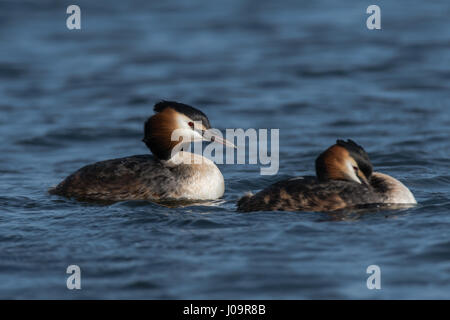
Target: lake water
[311, 69]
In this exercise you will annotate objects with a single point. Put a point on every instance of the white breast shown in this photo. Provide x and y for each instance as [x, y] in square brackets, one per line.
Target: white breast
[205, 181]
[398, 192]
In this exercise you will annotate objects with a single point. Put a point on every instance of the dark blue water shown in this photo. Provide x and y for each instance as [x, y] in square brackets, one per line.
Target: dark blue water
[310, 68]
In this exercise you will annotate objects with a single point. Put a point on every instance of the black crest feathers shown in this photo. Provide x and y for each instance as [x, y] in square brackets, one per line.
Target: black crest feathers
[359, 154]
[185, 109]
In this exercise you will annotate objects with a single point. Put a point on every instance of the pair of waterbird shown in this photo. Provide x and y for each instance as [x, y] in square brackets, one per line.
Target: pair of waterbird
[344, 174]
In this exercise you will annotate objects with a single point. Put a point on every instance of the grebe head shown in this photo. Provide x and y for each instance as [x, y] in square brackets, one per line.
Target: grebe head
[345, 160]
[170, 116]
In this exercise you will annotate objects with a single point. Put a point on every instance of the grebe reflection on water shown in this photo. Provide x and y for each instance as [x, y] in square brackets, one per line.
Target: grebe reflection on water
[344, 179]
[163, 176]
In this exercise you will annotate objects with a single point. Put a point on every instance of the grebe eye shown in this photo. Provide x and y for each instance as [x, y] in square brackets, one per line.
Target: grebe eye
[356, 169]
[191, 124]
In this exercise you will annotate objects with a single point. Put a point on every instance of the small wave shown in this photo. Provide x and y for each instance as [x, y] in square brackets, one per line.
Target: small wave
[60, 138]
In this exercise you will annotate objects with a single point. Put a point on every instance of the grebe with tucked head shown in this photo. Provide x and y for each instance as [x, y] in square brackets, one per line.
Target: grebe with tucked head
[166, 175]
[344, 179]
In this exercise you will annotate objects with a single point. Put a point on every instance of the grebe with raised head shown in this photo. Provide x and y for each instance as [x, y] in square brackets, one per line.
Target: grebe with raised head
[344, 179]
[165, 176]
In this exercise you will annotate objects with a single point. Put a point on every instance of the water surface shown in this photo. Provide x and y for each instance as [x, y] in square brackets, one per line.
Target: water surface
[312, 69]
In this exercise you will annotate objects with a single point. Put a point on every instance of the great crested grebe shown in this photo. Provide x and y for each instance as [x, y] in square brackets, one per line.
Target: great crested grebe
[344, 180]
[165, 176]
